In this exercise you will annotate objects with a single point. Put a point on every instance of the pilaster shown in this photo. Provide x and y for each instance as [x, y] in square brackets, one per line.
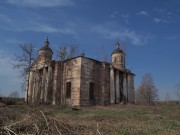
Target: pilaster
[117, 87]
[112, 87]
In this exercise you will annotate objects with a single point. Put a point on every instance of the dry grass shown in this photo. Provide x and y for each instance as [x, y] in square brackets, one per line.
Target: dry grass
[100, 120]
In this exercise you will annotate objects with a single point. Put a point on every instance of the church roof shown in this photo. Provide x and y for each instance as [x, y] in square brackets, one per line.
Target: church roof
[117, 50]
[46, 46]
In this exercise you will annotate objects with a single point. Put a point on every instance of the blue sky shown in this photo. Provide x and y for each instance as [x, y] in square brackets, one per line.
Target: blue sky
[150, 30]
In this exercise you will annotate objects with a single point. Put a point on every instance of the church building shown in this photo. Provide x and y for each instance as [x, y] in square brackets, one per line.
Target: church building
[79, 81]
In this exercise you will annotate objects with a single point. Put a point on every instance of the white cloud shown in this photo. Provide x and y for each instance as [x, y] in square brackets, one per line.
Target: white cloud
[1, 53]
[37, 25]
[159, 10]
[12, 41]
[165, 16]
[114, 14]
[144, 13]
[125, 15]
[123, 33]
[41, 3]
[29, 25]
[156, 20]
[165, 21]
[6, 22]
[41, 27]
[175, 37]
[5, 18]
[170, 13]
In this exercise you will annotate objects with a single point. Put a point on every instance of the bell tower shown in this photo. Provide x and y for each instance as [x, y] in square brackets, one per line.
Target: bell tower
[118, 57]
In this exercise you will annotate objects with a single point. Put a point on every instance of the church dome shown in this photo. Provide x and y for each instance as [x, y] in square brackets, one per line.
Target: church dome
[117, 50]
[46, 46]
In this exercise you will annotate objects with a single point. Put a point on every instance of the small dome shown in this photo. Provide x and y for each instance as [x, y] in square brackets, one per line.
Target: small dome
[46, 46]
[117, 50]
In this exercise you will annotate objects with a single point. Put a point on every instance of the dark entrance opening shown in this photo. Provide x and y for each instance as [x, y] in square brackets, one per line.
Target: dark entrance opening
[91, 93]
[68, 90]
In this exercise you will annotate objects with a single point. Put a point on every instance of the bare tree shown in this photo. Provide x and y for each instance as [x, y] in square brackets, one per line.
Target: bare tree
[102, 54]
[24, 61]
[140, 95]
[105, 56]
[67, 51]
[177, 86]
[14, 94]
[147, 92]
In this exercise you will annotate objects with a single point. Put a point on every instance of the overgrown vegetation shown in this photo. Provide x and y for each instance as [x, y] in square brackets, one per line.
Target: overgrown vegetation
[116, 119]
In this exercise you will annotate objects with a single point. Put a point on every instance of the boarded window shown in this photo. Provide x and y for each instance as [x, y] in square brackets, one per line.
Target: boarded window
[68, 90]
[91, 91]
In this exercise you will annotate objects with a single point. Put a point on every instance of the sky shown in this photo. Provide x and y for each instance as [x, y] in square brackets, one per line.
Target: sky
[149, 29]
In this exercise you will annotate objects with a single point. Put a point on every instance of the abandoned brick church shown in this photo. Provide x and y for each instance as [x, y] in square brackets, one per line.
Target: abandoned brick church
[80, 80]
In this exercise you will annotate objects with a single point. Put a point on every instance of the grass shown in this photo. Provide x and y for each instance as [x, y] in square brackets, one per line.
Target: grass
[115, 120]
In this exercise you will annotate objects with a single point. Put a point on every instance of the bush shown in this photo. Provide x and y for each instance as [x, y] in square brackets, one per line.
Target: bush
[10, 102]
